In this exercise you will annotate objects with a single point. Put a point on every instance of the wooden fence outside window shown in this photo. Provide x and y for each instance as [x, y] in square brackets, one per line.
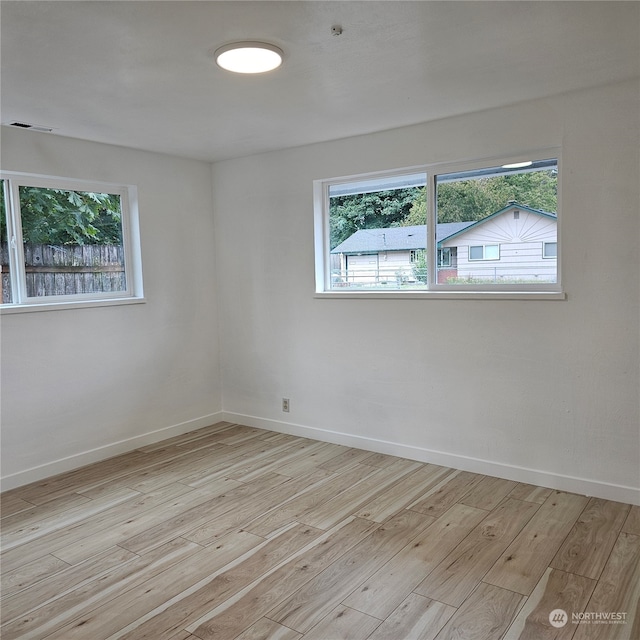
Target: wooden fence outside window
[67, 270]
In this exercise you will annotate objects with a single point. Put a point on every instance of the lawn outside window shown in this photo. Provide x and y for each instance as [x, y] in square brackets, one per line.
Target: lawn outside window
[478, 229]
[67, 243]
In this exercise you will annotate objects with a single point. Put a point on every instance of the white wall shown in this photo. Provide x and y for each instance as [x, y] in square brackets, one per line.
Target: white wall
[80, 385]
[542, 391]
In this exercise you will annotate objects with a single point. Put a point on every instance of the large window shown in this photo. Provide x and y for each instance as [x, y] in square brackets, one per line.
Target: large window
[477, 227]
[67, 241]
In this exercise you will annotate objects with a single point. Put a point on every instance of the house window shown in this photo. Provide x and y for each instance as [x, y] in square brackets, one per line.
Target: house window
[472, 227]
[67, 241]
[485, 252]
[444, 257]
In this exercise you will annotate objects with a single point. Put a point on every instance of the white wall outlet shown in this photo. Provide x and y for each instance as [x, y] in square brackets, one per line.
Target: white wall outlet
[285, 405]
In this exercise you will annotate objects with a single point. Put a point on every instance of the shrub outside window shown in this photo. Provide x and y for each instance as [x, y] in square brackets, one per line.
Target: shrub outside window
[67, 241]
[473, 227]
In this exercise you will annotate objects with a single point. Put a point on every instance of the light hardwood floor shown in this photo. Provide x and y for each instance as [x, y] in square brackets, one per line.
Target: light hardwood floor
[235, 532]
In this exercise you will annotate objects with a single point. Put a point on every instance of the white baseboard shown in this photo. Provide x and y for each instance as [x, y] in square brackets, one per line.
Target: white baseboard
[583, 486]
[78, 460]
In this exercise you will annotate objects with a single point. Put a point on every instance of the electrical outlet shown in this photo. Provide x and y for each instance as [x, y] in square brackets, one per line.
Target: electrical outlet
[285, 405]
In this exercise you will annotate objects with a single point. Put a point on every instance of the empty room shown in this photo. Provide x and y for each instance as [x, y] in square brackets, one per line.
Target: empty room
[320, 320]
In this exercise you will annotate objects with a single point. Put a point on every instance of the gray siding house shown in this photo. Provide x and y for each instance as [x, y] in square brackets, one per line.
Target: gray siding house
[515, 244]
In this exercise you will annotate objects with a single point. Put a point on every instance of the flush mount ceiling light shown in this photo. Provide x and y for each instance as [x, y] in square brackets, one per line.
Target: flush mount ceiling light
[248, 57]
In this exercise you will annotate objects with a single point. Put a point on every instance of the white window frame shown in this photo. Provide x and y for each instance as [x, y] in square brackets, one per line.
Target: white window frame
[434, 290]
[484, 252]
[130, 241]
[544, 250]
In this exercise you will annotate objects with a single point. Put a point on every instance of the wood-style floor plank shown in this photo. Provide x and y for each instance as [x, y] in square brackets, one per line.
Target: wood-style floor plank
[589, 544]
[528, 556]
[617, 591]
[249, 509]
[321, 594]
[488, 493]
[266, 629]
[461, 570]
[445, 494]
[344, 623]
[137, 516]
[57, 585]
[132, 604]
[530, 493]
[56, 541]
[484, 615]
[294, 509]
[632, 524]
[231, 618]
[22, 577]
[556, 590]
[231, 532]
[35, 514]
[403, 492]
[394, 581]
[345, 458]
[349, 501]
[56, 614]
[199, 515]
[11, 504]
[36, 529]
[417, 618]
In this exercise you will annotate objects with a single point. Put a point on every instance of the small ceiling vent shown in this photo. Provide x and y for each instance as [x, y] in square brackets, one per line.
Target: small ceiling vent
[33, 127]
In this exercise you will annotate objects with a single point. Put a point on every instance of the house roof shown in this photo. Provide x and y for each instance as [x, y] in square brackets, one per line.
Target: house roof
[511, 205]
[396, 238]
[415, 237]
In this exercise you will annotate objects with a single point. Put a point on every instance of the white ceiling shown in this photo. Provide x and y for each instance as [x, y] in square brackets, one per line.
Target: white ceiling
[140, 74]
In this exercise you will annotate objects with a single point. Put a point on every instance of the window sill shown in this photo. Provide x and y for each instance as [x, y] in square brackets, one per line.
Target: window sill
[61, 306]
[444, 295]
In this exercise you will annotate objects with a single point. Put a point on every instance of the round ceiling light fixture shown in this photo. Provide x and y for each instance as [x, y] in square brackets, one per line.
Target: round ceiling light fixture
[249, 57]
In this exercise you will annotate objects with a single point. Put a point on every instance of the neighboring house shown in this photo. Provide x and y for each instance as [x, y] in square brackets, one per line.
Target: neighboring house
[516, 243]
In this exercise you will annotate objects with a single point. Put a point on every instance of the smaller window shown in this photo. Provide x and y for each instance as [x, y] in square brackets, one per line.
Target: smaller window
[444, 257]
[65, 240]
[550, 250]
[485, 252]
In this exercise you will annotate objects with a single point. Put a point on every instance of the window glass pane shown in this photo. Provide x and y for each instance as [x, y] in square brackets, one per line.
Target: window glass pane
[493, 220]
[378, 233]
[492, 252]
[444, 257]
[4, 250]
[72, 242]
[550, 249]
